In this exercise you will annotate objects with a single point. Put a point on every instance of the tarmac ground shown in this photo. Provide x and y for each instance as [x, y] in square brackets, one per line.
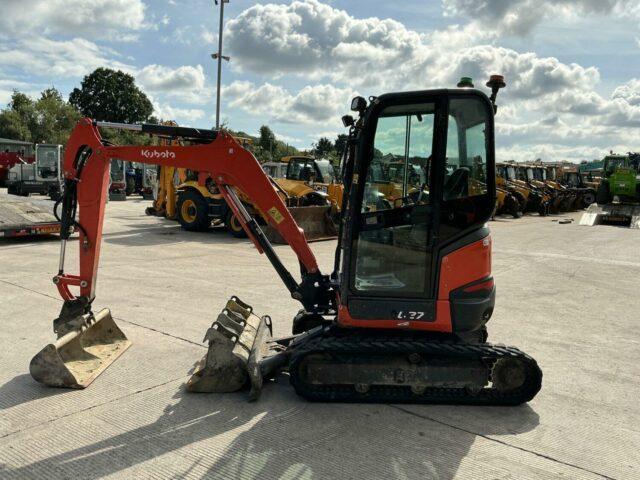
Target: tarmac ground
[568, 295]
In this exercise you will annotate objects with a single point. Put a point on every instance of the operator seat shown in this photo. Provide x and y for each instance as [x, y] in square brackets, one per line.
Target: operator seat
[305, 174]
[457, 185]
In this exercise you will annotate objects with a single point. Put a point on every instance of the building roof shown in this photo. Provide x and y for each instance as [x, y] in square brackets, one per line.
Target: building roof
[17, 142]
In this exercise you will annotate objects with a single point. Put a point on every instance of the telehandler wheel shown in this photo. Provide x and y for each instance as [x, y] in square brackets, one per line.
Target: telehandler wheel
[193, 211]
[588, 198]
[522, 202]
[513, 206]
[233, 225]
[603, 193]
[131, 186]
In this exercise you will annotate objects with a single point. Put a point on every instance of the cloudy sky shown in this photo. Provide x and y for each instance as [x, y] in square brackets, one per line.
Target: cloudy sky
[572, 66]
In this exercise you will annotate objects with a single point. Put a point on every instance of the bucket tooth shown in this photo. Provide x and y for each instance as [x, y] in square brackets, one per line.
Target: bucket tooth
[237, 344]
[80, 354]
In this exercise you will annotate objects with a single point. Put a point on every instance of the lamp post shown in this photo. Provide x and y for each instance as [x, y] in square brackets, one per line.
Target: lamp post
[219, 57]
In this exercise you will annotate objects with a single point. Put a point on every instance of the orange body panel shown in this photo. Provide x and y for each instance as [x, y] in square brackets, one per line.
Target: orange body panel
[460, 267]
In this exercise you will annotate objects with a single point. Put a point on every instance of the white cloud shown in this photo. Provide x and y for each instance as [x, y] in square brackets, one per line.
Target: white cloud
[310, 37]
[310, 105]
[521, 16]
[185, 82]
[314, 40]
[553, 151]
[183, 116]
[8, 86]
[95, 19]
[207, 36]
[58, 58]
[545, 101]
[629, 92]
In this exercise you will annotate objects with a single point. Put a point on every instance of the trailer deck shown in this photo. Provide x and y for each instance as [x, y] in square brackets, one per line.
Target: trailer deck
[22, 216]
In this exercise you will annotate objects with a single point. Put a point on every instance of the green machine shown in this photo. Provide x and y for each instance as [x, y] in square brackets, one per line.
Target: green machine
[620, 182]
[618, 196]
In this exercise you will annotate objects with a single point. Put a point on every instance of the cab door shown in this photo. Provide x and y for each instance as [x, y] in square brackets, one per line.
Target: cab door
[394, 238]
[388, 260]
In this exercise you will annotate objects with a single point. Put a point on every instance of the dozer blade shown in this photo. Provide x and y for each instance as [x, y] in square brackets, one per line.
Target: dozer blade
[314, 220]
[80, 355]
[238, 342]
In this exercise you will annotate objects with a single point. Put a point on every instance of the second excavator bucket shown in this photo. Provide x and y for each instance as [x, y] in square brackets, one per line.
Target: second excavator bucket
[237, 343]
[316, 222]
[81, 353]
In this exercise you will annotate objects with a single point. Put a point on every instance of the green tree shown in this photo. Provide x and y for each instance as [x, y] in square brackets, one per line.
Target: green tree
[267, 138]
[111, 96]
[340, 144]
[48, 120]
[323, 148]
[12, 126]
[55, 118]
[19, 119]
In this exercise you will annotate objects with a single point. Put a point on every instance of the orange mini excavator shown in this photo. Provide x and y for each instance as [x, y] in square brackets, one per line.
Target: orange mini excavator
[402, 316]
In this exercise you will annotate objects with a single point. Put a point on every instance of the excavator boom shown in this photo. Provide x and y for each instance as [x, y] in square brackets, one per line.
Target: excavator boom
[81, 353]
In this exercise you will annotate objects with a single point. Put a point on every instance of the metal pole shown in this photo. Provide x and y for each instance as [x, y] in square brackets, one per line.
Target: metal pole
[219, 65]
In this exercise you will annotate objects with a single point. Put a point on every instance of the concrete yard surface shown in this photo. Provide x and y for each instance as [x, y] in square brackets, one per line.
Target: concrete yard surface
[568, 295]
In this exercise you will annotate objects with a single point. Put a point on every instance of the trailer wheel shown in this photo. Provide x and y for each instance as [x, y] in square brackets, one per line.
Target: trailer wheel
[233, 225]
[193, 211]
[54, 193]
[12, 190]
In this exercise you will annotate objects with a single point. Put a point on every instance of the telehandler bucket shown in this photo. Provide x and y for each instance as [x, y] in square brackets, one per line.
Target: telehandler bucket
[81, 353]
[316, 222]
[238, 342]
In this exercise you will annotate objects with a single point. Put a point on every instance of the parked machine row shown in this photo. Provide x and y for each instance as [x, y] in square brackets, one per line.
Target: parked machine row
[545, 188]
[192, 198]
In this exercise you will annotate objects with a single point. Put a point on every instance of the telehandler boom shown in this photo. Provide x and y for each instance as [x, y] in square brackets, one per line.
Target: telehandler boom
[402, 316]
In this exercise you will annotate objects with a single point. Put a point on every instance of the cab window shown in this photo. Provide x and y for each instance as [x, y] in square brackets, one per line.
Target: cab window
[465, 174]
[401, 161]
[327, 174]
[300, 169]
[391, 247]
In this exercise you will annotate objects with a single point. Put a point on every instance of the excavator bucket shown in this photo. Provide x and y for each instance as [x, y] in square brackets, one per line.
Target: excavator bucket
[238, 342]
[316, 222]
[80, 354]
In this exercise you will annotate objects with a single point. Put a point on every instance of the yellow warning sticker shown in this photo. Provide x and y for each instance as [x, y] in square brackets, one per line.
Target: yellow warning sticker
[276, 215]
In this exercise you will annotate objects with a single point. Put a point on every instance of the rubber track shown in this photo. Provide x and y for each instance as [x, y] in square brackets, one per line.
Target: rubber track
[362, 345]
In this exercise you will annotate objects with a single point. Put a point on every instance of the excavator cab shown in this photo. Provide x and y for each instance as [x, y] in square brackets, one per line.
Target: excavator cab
[392, 252]
[413, 276]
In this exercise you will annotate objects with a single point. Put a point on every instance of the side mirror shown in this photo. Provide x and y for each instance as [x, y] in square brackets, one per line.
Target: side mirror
[358, 104]
[348, 121]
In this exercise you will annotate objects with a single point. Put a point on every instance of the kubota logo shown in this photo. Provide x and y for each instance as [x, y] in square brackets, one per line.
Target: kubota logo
[157, 154]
